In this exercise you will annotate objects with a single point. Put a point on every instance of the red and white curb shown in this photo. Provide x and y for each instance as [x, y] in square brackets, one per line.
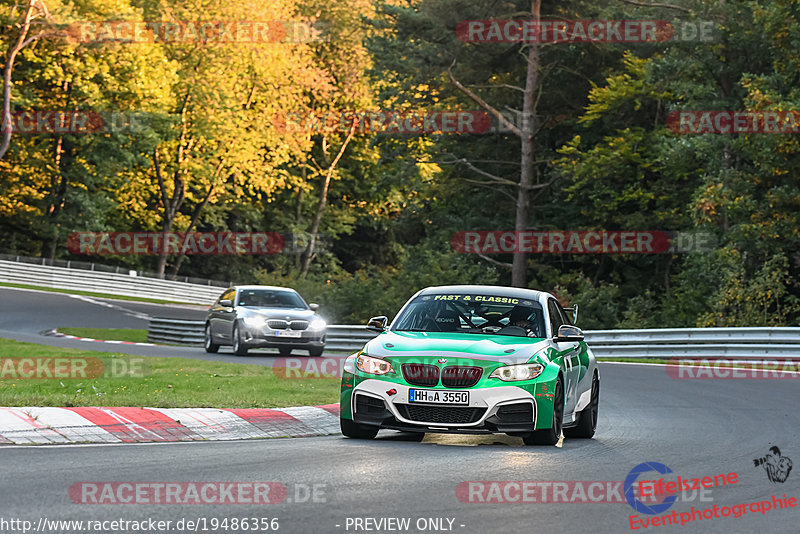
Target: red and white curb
[32, 425]
[56, 333]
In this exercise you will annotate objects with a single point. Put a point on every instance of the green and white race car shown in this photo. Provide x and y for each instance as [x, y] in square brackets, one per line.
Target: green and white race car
[474, 360]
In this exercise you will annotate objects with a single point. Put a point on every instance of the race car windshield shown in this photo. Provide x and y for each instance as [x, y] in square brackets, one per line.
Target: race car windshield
[473, 314]
[263, 298]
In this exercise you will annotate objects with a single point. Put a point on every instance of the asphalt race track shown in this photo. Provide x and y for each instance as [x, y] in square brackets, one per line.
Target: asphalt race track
[697, 428]
[25, 314]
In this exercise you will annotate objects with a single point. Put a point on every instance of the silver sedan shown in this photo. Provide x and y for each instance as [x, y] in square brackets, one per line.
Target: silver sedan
[246, 317]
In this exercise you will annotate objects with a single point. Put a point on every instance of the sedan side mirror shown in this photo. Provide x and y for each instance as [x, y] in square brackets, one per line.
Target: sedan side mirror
[378, 324]
[567, 332]
[313, 306]
[226, 303]
[574, 311]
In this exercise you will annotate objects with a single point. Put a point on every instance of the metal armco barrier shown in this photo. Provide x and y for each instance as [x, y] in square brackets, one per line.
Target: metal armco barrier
[175, 331]
[744, 342]
[183, 332]
[651, 343]
[110, 283]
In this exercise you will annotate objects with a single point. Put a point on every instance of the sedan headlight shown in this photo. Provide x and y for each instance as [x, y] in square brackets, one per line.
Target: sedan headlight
[255, 321]
[318, 323]
[512, 373]
[373, 366]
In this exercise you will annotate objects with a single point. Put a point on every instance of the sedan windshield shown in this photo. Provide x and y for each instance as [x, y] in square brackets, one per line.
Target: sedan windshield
[473, 314]
[270, 298]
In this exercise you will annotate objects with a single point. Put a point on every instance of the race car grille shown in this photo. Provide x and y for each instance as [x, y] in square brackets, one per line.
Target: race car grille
[516, 413]
[455, 376]
[440, 414]
[420, 374]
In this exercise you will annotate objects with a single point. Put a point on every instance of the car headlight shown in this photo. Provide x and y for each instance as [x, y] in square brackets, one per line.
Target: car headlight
[511, 373]
[255, 321]
[318, 323]
[373, 366]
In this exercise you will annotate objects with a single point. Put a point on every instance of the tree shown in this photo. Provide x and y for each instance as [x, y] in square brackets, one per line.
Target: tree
[34, 9]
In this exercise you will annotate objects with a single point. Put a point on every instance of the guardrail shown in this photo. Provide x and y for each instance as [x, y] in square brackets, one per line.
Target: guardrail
[175, 331]
[184, 332]
[651, 343]
[743, 342]
[111, 283]
[100, 267]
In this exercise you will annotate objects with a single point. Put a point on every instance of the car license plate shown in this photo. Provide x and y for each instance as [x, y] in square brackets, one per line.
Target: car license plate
[432, 396]
[288, 333]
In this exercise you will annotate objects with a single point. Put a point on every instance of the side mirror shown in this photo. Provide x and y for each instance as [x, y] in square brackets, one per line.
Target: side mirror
[574, 311]
[313, 306]
[567, 332]
[226, 303]
[378, 324]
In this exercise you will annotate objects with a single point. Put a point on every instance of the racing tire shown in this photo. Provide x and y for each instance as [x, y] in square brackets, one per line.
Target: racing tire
[285, 351]
[239, 348]
[208, 343]
[351, 429]
[316, 352]
[550, 436]
[587, 418]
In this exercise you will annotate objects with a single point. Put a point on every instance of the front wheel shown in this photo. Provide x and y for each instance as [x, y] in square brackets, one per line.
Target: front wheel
[209, 344]
[550, 436]
[315, 352]
[239, 348]
[351, 429]
[587, 418]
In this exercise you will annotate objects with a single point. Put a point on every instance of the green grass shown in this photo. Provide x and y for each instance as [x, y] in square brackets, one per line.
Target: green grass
[97, 295]
[109, 334]
[160, 383]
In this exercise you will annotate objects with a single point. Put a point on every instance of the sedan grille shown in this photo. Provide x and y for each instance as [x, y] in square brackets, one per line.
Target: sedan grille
[420, 374]
[440, 414]
[298, 325]
[455, 376]
[278, 324]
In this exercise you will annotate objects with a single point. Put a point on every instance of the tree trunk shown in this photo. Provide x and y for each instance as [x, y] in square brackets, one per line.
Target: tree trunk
[171, 205]
[22, 41]
[58, 196]
[528, 132]
[323, 202]
[192, 223]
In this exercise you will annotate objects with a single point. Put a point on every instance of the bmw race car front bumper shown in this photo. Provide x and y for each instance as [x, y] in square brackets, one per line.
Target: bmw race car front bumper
[502, 409]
